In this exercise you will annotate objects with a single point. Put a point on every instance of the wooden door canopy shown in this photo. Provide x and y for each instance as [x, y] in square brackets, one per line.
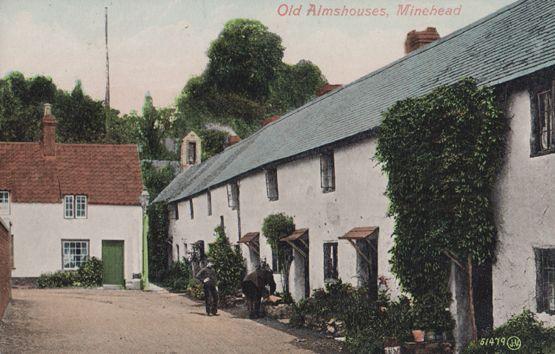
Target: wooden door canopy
[360, 233]
[251, 239]
[297, 235]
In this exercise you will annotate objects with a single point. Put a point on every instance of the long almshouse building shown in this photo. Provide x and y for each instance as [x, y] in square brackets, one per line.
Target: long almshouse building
[317, 165]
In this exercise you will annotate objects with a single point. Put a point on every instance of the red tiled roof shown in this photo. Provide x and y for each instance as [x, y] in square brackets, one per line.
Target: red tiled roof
[270, 120]
[107, 174]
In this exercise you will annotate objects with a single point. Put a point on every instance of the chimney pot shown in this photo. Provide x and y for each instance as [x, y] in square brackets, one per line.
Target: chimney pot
[48, 131]
[47, 109]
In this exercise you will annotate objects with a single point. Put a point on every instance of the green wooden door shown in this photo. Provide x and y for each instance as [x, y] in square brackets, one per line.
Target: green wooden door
[112, 259]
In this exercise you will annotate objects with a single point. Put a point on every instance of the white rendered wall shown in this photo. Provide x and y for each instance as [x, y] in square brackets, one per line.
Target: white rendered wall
[525, 216]
[39, 229]
[187, 231]
[358, 200]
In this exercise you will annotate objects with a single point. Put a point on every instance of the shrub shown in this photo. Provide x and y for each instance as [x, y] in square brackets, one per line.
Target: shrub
[195, 289]
[178, 275]
[59, 279]
[229, 263]
[367, 323]
[274, 227]
[90, 273]
[534, 336]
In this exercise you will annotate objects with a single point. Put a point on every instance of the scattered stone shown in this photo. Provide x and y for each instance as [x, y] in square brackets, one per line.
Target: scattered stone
[300, 340]
[340, 339]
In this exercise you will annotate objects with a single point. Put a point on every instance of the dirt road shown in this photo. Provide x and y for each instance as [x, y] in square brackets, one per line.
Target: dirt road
[101, 321]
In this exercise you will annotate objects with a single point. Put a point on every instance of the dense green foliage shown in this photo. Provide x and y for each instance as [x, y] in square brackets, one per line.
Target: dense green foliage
[59, 279]
[367, 323]
[274, 227]
[245, 81]
[534, 336]
[213, 142]
[244, 58]
[228, 261]
[177, 277]
[442, 153]
[88, 275]
[155, 181]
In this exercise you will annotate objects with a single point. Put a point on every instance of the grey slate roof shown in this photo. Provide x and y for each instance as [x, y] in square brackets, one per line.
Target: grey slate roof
[513, 42]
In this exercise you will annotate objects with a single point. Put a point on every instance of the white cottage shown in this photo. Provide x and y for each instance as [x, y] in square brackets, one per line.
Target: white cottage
[69, 202]
[317, 165]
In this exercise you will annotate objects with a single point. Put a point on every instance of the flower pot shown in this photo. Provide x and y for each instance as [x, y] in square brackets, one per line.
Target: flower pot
[418, 335]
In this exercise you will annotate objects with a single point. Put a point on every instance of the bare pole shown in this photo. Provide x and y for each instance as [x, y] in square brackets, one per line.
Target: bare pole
[107, 96]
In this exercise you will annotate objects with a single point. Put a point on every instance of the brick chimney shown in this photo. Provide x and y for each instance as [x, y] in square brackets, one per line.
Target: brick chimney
[419, 39]
[327, 88]
[48, 131]
[232, 139]
[269, 120]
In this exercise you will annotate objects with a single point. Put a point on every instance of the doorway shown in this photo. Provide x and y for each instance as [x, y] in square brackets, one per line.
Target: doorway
[112, 259]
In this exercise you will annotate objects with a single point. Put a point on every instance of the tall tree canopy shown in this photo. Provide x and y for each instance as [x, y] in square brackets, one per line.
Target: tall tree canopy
[81, 119]
[245, 81]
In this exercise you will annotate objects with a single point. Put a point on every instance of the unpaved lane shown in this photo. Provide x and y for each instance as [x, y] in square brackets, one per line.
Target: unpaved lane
[102, 321]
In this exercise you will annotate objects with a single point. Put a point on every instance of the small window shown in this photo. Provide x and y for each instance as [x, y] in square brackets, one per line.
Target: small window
[233, 195]
[209, 202]
[69, 211]
[81, 207]
[327, 172]
[543, 126]
[198, 249]
[191, 152]
[330, 261]
[272, 184]
[545, 280]
[177, 251]
[74, 254]
[174, 211]
[222, 222]
[191, 209]
[4, 202]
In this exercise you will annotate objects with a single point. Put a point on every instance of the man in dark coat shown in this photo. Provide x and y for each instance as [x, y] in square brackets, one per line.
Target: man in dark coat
[207, 276]
[254, 287]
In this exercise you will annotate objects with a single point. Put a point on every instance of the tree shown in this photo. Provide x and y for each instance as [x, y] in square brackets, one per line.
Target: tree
[80, 118]
[21, 108]
[294, 85]
[274, 227]
[229, 263]
[244, 59]
[245, 81]
[155, 181]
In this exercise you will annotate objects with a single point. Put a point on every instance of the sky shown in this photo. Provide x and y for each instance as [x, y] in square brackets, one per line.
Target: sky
[156, 46]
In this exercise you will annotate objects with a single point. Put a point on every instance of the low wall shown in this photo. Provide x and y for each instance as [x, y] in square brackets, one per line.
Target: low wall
[5, 266]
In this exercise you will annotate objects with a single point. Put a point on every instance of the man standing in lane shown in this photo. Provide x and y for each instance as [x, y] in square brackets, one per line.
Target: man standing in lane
[209, 279]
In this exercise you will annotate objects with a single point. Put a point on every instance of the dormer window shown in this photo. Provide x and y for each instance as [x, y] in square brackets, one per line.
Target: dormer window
[75, 206]
[4, 202]
[191, 152]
